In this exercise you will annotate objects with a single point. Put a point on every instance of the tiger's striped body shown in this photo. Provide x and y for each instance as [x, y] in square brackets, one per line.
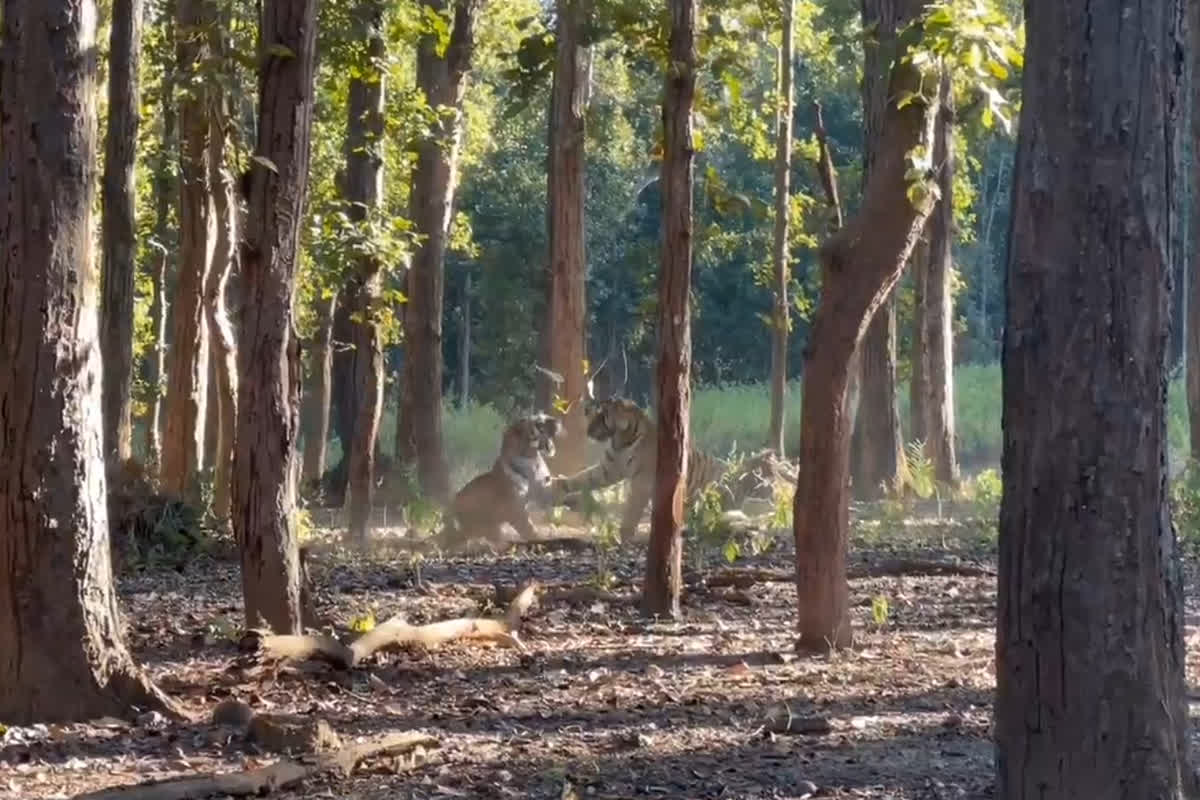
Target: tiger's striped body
[632, 454]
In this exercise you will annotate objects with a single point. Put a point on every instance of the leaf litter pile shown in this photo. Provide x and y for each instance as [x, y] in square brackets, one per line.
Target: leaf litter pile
[541, 680]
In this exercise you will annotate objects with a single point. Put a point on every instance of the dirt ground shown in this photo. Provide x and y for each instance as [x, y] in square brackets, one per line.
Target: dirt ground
[603, 704]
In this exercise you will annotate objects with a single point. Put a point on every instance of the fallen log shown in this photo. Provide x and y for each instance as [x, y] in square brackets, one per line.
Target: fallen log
[745, 577]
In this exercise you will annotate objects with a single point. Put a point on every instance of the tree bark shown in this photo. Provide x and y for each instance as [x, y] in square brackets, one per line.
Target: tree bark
[442, 79]
[664, 559]
[118, 204]
[464, 347]
[565, 326]
[1192, 342]
[223, 346]
[779, 247]
[860, 265]
[364, 189]
[343, 396]
[918, 390]
[62, 650]
[187, 369]
[1090, 694]
[315, 420]
[939, 403]
[264, 495]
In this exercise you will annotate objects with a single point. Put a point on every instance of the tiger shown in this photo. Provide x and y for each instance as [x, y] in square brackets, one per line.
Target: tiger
[482, 507]
[632, 454]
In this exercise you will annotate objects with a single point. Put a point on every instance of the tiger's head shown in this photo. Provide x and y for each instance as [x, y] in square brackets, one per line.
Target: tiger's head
[521, 449]
[615, 418]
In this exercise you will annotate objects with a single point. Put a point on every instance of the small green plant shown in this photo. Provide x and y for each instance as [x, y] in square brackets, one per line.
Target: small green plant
[303, 523]
[1185, 505]
[879, 610]
[920, 475]
[704, 517]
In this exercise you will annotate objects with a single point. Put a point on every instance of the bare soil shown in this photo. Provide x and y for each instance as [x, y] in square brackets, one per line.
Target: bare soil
[603, 703]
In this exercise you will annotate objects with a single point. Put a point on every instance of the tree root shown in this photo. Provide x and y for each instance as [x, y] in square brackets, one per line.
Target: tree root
[745, 577]
[264, 780]
[392, 634]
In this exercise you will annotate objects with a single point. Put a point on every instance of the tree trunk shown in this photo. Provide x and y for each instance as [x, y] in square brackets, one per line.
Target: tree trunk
[363, 189]
[877, 453]
[315, 419]
[918, 389]
[779, 249]
[1090, 692]
[442, 78]
[860, 265]
[223, 347]
[343, 396]
[119, 229]
[565, 326]
[156, 365]
[664, 560]
[64, 656]
[264, 493]
[1192, 347]
[187, 378]
[464, 348]
[939, 403]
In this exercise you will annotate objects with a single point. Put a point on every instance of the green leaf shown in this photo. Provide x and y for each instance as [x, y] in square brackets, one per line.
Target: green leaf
[280, 51]
[906, 97]
[266, 162]
[997, 69]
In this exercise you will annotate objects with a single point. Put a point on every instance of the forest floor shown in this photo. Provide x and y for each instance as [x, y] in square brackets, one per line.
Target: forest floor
[602, 703]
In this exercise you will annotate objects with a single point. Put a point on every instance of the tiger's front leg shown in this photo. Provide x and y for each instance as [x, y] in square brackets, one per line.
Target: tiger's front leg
[635, 506]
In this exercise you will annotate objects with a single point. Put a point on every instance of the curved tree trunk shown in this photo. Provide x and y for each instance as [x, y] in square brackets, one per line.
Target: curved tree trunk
[779, 248]
[664, 559]
[264, 495]
[363, 191]
[939, 403]
[62, 650]
[1090, 607]
[565, 326]
[860, 265]
[442, 78]
[315, 418]
[118, 203]
[187, 368]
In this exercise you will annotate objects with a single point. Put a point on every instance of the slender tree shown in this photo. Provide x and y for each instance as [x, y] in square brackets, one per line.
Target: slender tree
[316, 413]
[859, 266]
[664, 559]
[62, 651]
[1090, 612]
[264, 476]
[187, 367]
[779, 249]
[565, 326]
[918, 389]
[363, 186]
[118, 201]
[441, 77]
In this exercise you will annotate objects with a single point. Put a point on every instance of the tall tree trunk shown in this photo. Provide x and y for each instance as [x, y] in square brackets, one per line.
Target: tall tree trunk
[877, 448]
[62, 650]
[223, 348]
[918, 389]
[464, 348]
[363, 188]
[315, 419]
[442, 79]
[1192, 348]
[664, 559]
[187, 369]
[780, 322]
[939, 404]
[264, 495]
[118, 202]
[860, 265]
[1090, 692]
[565, 326]
[343, 395]
[156, 364]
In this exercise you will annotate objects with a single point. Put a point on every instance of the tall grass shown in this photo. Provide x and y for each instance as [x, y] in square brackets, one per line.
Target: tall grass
[725, 418]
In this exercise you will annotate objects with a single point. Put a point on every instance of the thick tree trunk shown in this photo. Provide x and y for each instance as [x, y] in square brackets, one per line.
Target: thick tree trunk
[315, 419]
[1090, 692]
[565, 326]
[1192, 348]
[918, 389]
[223, 346]
[664, 559]
[62, 651]
[877, 452]
[442, 78]
[363, 189]
[860, 265]
[187, 368]
[118, 202]
[779, 246]
[939, 403]
[268, 406]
